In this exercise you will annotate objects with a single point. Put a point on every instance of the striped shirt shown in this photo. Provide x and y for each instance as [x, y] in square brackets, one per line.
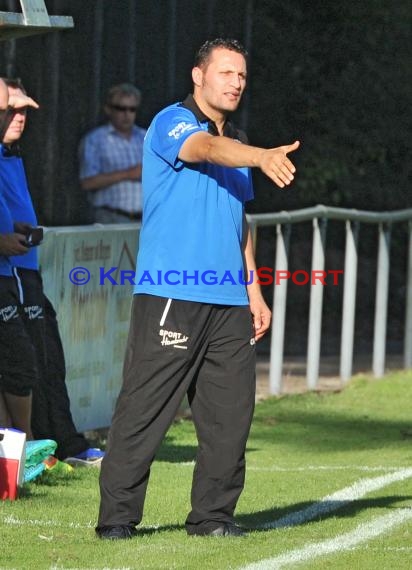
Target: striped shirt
[105, 150]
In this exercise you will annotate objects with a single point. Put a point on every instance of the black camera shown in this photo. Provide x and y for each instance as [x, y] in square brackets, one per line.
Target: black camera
[34, 237]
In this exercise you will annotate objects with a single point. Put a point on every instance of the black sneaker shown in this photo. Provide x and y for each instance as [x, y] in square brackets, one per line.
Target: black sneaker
[225, 529]
[119, 532]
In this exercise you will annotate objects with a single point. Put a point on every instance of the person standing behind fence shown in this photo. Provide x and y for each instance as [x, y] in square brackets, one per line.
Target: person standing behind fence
[111, 159]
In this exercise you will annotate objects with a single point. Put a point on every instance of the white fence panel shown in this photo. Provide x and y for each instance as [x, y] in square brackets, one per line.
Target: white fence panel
[93, 316]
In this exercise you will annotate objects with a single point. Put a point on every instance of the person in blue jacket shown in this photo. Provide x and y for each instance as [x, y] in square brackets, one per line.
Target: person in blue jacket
[51, 416]
[18, 369]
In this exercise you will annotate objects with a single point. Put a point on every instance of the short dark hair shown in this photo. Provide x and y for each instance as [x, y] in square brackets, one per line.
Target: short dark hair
[15, 83]
[203, 55]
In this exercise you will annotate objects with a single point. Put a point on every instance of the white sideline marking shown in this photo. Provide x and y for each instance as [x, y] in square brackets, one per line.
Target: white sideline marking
[309, 468]
[11, 519]
[54, 567]
[339, 499]
[325, 468]
[362, 533]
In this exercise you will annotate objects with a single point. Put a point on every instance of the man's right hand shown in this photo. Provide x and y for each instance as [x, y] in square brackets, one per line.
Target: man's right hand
[20, 100]
[277, 166]
[13, 244]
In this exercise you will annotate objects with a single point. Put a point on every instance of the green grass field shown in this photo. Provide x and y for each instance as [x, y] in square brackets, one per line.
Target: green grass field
[332, 471]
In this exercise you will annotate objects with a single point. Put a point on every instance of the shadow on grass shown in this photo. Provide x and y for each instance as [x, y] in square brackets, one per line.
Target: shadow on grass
[148, 531]
[171, 452]
[289, 516]
[328, 431]
[293, 515]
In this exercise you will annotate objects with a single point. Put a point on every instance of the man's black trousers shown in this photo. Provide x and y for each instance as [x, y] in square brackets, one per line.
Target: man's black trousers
[178, 347]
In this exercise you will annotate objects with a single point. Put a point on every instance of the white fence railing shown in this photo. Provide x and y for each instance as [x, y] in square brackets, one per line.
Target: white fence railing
[319, 215]
[93, 309]
[94, 315]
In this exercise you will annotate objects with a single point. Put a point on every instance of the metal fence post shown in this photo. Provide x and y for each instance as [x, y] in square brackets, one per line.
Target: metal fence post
[316, 301]
[279, 309]
[318, 215]
[408, 319]
[349, 300]
[381, 304]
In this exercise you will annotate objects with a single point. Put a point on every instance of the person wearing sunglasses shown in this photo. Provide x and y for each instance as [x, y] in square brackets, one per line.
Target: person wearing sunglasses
[111, 159]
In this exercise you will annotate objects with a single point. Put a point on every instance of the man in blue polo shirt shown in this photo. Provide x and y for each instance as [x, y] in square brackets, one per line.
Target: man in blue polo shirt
[198, 309]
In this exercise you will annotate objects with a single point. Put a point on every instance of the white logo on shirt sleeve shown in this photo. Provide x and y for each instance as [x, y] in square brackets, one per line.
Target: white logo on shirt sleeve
[181, 128]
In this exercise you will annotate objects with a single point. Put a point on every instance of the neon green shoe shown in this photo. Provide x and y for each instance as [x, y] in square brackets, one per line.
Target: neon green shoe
[57, 467]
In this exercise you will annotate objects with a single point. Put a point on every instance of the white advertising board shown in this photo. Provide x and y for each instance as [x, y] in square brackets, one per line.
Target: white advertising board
[86, 271]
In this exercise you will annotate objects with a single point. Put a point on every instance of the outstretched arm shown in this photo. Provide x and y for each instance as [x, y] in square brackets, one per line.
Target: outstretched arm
[274, 162]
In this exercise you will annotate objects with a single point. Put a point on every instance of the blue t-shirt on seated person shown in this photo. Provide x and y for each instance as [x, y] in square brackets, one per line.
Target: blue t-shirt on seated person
[191, 241]
[16, 194]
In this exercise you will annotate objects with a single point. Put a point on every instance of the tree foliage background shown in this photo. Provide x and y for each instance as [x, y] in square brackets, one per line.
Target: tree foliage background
[336, 76]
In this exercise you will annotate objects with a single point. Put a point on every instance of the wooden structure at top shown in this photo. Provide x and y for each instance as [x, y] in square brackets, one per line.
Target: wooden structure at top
[34, 19]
